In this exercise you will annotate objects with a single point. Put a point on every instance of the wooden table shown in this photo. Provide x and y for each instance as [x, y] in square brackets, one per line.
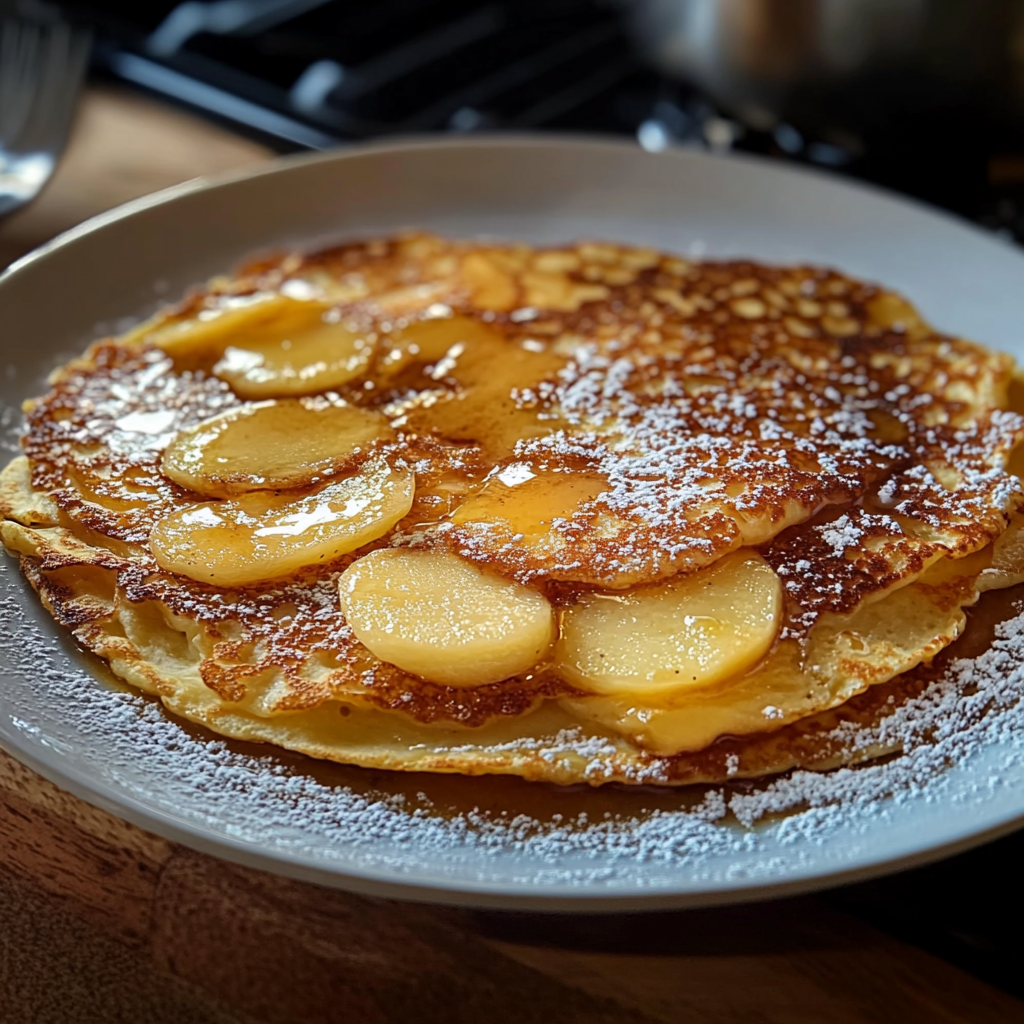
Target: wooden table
[100, 921]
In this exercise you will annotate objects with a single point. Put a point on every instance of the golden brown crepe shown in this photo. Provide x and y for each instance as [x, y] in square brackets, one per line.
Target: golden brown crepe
[714, 502]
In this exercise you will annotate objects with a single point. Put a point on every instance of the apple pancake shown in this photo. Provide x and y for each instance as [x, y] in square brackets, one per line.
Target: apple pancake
[589, 513]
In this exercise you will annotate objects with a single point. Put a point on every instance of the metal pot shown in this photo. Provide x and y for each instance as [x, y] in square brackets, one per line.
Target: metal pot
[841, 67]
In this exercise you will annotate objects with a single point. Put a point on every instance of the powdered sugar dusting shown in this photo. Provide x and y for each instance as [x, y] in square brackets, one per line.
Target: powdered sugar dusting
[964, 736]
[703, 410]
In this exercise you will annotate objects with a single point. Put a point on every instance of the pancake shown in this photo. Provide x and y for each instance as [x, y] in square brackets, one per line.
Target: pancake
[591, 513]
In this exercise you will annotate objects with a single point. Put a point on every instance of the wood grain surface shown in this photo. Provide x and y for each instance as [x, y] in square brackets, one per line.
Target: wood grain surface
[102, 922]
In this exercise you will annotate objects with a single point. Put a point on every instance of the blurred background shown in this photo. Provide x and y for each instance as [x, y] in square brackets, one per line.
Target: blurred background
[922, 96]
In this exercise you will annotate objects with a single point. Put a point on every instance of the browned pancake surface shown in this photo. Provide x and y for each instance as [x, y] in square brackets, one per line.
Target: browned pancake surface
[696, 407]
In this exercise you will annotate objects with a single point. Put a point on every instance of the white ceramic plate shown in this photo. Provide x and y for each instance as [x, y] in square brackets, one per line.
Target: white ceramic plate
[455, 840]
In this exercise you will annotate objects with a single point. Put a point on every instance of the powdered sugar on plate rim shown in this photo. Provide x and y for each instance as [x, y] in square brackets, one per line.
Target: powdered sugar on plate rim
[965, 768]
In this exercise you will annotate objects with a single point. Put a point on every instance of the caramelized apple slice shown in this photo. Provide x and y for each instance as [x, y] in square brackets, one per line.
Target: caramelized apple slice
[212, 328]
[264, 536]
[474, 404]
[423, 344]
[268, 446]
[186, 337]
[442, 618]
[269, 345]
[690, 632]
[300, 360]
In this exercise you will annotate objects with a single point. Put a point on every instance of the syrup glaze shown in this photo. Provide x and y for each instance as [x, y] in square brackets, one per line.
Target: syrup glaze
[649, 415]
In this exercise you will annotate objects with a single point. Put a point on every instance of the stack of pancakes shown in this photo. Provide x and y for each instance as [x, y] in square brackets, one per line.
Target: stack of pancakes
[591, 513]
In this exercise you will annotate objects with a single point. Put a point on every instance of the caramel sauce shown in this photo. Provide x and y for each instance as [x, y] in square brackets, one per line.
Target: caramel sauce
[528, 499]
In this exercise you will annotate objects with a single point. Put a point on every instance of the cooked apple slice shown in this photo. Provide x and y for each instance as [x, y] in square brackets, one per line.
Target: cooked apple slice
[475, 405]
[297, 360]
[437, 616]
[690, 632]
[270, 446]
[209, 327]
[212, 328]
[268, 345]
[423, 345]
[264, 536]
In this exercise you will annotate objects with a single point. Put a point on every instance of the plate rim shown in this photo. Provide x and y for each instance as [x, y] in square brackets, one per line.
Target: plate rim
[488, 896]
[481, 140]
[377, 882]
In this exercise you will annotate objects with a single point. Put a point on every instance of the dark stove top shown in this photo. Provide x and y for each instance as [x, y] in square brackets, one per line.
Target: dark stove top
[318, 73]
